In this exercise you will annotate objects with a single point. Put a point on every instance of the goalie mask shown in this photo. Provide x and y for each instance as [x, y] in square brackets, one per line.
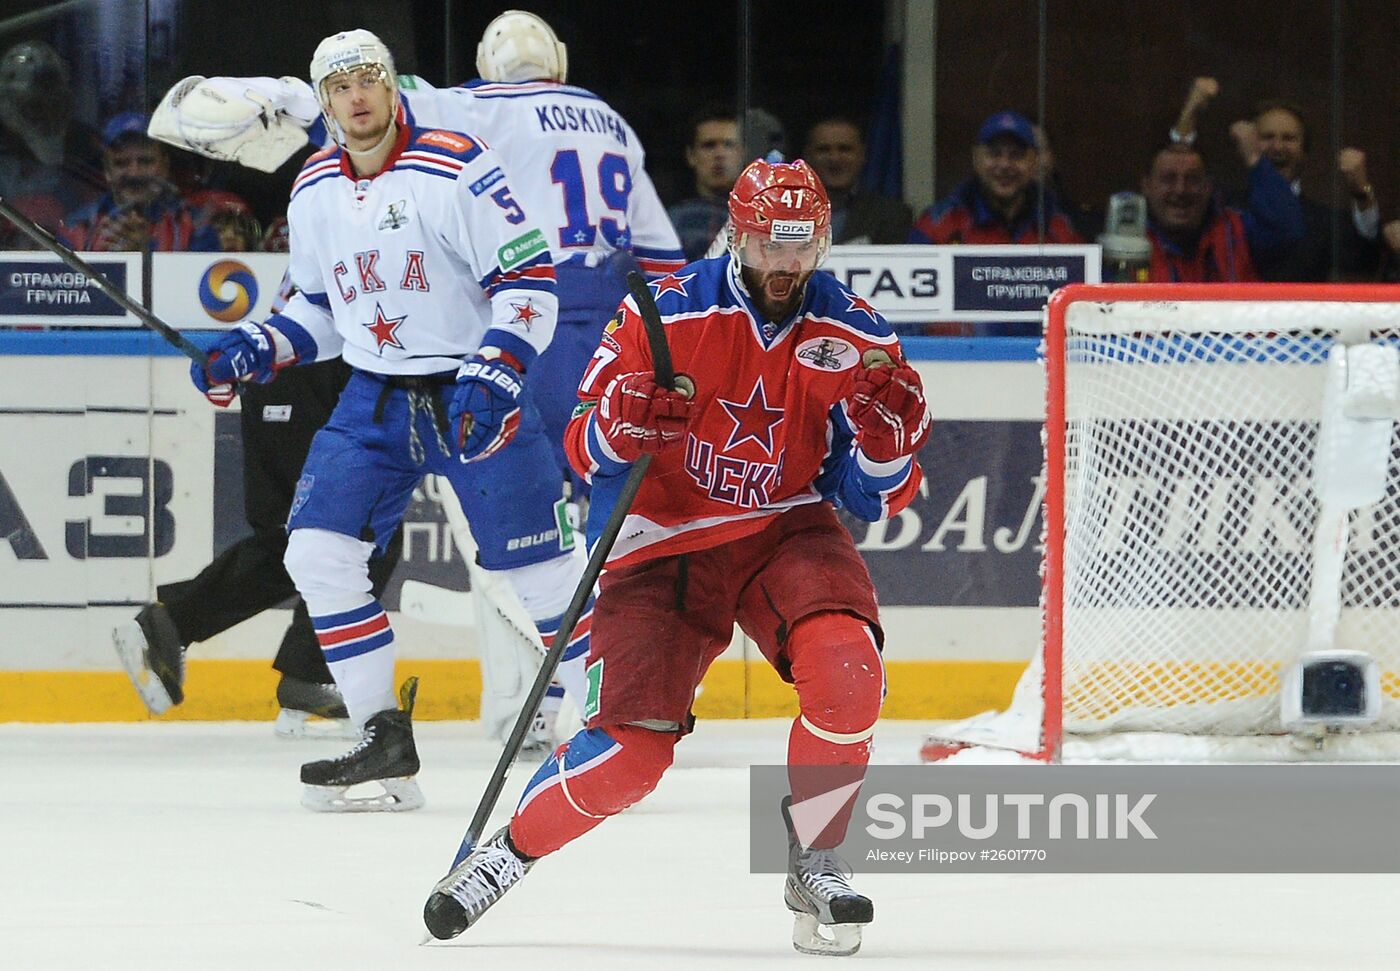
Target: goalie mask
[779, 218]
[518, 46]
[356, 56]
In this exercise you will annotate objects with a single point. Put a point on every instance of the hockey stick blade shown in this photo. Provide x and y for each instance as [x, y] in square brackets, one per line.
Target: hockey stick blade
[665, 376]
[76, 263]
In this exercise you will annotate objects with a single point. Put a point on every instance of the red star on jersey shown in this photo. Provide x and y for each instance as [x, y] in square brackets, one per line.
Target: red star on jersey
[858, 303]
[672, 284]
[752, 419]
[383, 329]
[525, 313]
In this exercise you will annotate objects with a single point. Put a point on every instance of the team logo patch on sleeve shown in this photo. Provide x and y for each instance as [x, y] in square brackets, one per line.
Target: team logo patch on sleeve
[303, 493]
[521, 248]
[486, 181]
[614, 324]
[827, 354]
[594, 674]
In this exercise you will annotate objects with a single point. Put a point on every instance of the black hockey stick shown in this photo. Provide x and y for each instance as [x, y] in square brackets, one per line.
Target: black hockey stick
[76, 263]
[666, 378]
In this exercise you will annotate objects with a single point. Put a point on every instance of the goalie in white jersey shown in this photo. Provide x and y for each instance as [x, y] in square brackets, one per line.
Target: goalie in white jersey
[415, 262]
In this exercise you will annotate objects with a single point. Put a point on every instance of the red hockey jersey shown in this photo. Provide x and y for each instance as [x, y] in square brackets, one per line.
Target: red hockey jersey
[770, 429]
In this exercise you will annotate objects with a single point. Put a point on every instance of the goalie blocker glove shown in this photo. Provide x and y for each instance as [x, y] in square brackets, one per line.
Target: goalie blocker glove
[485, 411]
[251, 352]
[636, 416]
[889, 412]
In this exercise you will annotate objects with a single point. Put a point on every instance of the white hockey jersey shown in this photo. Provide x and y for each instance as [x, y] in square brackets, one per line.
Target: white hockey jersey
[406, 272]
[578, 166]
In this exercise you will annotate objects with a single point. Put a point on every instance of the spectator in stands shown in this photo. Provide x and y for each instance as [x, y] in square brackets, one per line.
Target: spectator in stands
[1283, 138]
[142, 209]
[1002, 201]
[237, 228]
[1196, 237]
[713, 154]
[277, 238]
[48, 164]
[836, 150]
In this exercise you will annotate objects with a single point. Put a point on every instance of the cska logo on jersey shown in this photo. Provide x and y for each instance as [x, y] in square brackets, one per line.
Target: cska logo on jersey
[728, 478]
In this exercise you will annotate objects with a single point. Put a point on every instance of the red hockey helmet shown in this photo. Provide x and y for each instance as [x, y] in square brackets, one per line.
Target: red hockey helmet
[780, 217]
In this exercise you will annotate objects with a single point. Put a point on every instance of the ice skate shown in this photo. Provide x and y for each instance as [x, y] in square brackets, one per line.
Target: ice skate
[154, 659]
[472, 886]
[384, 755]
[828, 915]
[301, 701]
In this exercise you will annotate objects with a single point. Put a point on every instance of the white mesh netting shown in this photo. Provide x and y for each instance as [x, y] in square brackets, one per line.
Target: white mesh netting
[1189, 513]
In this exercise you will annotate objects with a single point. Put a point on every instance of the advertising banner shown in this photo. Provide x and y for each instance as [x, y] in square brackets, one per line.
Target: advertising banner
[917, 284]
[38, 289]
[213, 291]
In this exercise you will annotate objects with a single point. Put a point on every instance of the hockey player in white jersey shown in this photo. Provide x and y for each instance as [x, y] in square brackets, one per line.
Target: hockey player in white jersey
[576, 167]
[416, 263]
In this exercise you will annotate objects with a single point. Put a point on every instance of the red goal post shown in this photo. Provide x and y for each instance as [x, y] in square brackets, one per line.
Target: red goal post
[1180, 521]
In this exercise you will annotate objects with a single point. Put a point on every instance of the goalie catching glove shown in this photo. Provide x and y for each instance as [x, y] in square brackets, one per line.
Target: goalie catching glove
[888, 409]
[636, 415]
[485, 411]
[250, 352]
[257, 122]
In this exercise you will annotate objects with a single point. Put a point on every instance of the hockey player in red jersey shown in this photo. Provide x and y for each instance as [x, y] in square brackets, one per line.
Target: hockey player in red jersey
[801, 403]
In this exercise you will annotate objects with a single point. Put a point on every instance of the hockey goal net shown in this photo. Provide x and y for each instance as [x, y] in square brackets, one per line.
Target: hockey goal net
[1216, 504]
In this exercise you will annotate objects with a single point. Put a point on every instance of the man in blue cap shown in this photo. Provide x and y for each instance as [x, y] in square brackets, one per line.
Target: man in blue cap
[1000, 203]
[142, 209]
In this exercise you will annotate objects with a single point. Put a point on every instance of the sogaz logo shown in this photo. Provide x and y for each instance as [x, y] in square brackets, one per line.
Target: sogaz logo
[228, 291]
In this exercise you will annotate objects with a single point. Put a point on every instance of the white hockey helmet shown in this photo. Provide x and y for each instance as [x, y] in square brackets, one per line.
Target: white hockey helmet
[347, 50]
[518, 46]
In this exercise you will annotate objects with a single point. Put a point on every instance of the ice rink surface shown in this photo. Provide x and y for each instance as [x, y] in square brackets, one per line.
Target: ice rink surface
[182, 845]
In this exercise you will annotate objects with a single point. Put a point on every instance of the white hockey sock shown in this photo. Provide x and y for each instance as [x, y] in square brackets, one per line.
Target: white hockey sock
[544, 590]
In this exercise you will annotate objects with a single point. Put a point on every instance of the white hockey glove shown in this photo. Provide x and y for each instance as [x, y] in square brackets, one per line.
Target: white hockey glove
[257, 122]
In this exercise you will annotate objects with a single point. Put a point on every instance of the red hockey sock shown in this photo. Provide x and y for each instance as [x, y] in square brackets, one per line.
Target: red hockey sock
[596, 774]
[840, 681]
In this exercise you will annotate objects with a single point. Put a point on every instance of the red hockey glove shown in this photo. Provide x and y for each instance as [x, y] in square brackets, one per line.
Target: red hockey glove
[887, 407]
[636, 415]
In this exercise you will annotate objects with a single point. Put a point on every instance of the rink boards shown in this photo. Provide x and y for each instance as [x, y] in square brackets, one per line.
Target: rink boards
[115, 475]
